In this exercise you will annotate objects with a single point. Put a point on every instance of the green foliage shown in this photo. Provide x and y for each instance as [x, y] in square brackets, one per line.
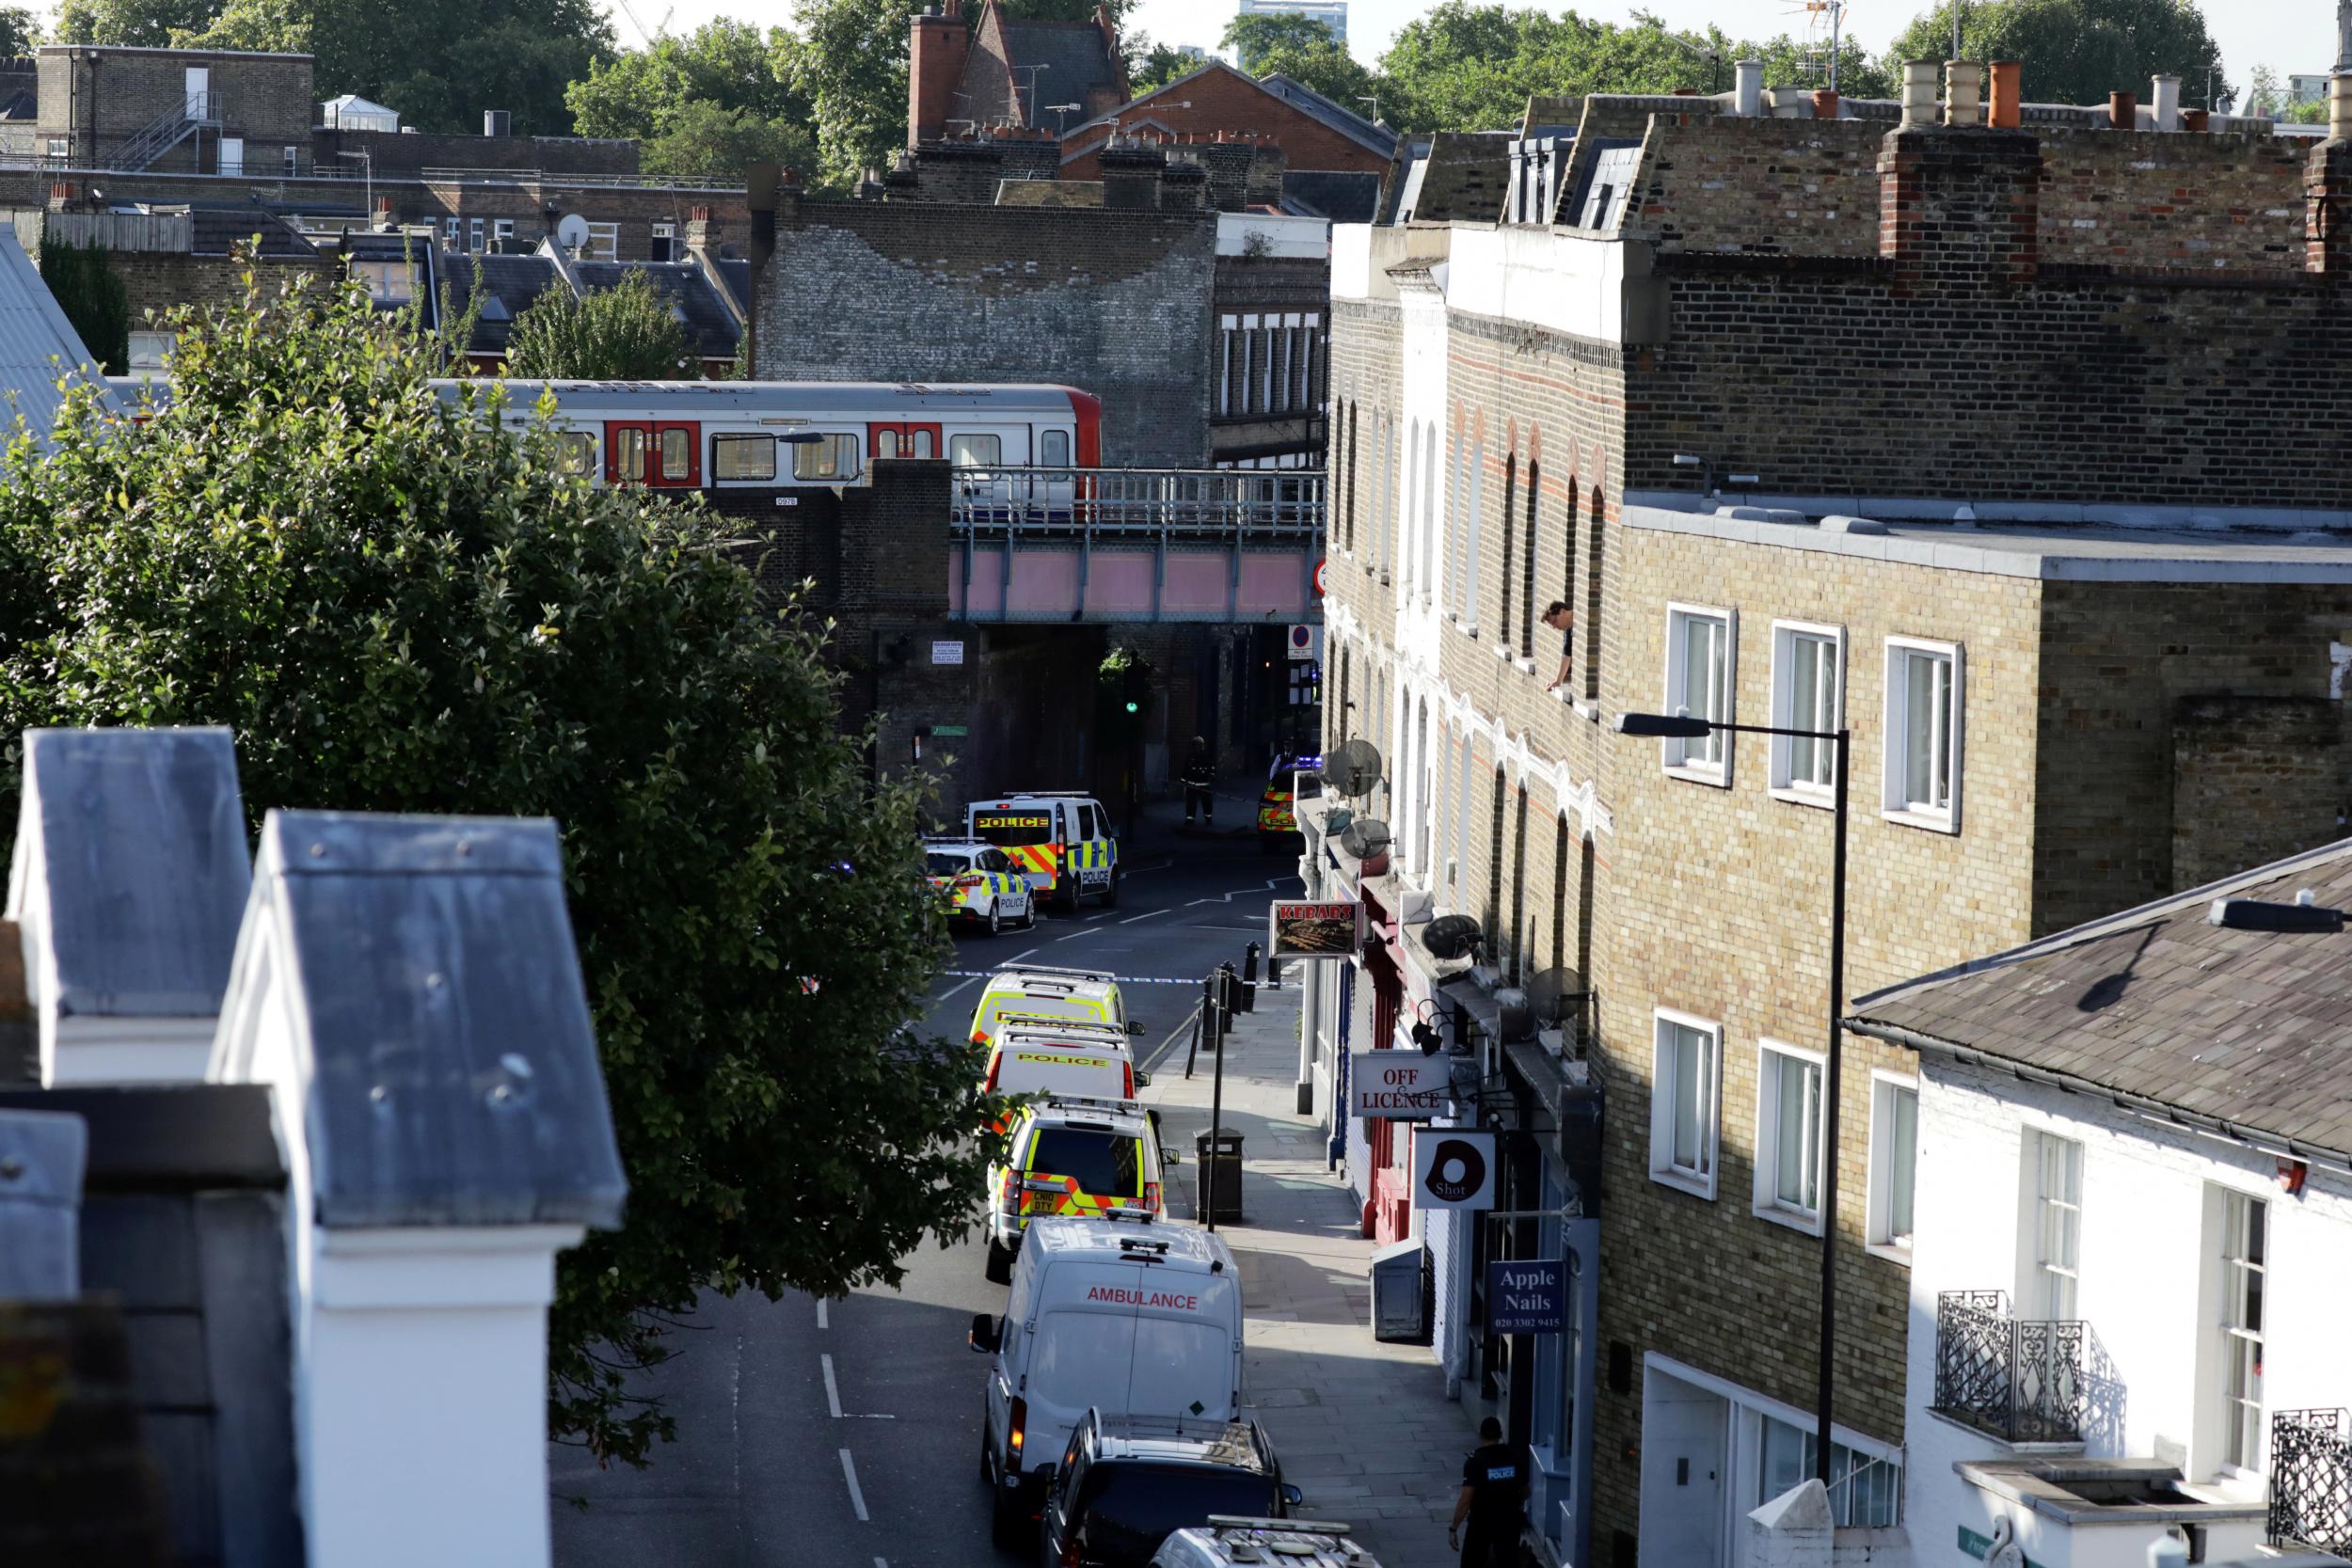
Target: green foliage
[1053, 10]
[138, 24]
[2312, 112]
[1152, 66]
[282, 25]
[1329, 69]
[399, 606]
[624, 333]
[848, 63]
[93, 299]
[20, 30]
[2263, 93]
[702, 105]
[2077, 50]
[1255, 34]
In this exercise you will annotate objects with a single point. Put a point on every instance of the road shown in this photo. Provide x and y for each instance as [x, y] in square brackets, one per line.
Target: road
[848, 1432]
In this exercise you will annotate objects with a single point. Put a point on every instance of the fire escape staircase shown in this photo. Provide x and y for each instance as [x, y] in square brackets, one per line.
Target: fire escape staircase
[201, 111]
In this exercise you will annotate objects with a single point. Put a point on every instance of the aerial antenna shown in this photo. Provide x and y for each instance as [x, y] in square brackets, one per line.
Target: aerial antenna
[1017, 89]
[659, 27]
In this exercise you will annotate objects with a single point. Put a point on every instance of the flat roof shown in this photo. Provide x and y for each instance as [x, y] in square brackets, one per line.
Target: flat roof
[2052, 543]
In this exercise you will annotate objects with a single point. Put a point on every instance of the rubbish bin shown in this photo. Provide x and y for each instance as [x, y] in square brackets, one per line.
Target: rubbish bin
[1223, 1155]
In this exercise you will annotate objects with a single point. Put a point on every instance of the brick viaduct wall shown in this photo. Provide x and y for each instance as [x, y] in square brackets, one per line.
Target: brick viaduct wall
[1116, 303]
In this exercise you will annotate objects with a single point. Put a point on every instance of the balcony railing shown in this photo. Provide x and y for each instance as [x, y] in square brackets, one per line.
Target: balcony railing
[2022, 1380]
[2311, 1480]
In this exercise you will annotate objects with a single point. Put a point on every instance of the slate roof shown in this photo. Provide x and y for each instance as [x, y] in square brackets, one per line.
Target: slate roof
[1075, 58]
[1333, 194]
[511, 285]
[710, 327]
[217, 231]
[2246, 1029]
[37, 343]
[1299, 96]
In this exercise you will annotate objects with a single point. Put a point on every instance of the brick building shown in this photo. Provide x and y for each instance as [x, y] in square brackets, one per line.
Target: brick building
[2015, 449]
[999, 69]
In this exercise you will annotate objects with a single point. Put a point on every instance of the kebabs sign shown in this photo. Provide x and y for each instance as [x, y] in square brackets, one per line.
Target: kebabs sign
[1313, 928]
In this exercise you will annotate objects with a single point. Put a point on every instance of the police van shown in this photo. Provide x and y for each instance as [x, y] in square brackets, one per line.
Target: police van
[1043, 1057]
[1141, 1319]
[1040, 991]
[1061, 839]
[1074, 1155]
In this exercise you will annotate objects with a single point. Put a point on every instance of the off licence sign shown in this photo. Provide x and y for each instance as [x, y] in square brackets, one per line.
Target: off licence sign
[1397, 1086]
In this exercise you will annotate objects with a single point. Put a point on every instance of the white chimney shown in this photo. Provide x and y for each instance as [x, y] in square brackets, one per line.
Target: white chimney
[2340, 106]
[1919, 92]
[1748, 88]
[2165, 103]
[1962, 93]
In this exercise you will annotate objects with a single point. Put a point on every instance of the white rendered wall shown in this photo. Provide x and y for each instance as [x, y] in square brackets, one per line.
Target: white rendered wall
[2145, 1291]
[1569, 282]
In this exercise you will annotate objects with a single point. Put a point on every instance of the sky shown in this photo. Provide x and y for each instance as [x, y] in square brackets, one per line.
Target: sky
[2289, 35]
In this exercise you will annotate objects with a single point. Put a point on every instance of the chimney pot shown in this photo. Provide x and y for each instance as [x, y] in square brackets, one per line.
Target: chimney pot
[2340, 108]
[2008, 95]
[2123, 111]
[1962, 81]
[2195, 120]
[1748, 88]
[2164, 102]
[1918, 93]
[1825, 103]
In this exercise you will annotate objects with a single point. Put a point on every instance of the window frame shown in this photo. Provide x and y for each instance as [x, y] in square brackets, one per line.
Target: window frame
[1894, 803]
[962, 441]
[2034, 1302]
[840, 445]
[730, 440]
[1782, 782]
[2236, 1336]
[1046, 440]
[1665, 1090]
[1876, 1234]
[1675, 755]
[1770, 1113]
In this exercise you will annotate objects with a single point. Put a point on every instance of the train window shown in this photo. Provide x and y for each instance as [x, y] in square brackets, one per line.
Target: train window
[574, 453]
[678, 454]
[742, 457]
[923, 444]
[1052, 449]
[629, 453]
[831, 457]
[976, 451]
[885, 445]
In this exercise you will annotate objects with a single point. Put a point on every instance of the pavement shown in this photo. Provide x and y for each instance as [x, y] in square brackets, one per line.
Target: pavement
[1363, 1428]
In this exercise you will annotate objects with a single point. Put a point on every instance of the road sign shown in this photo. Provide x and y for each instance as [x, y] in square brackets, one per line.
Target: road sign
[1527, 1295]
[948, 650]
[1302, 643]
[1453, 1168]
[945, 730]
[1319, 579]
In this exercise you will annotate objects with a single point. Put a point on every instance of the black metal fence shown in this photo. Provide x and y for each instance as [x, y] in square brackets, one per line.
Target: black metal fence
[2022, 1380]
[2311, 1480]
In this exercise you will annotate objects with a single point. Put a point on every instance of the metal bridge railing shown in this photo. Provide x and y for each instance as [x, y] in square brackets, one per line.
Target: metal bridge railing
[1047, 505]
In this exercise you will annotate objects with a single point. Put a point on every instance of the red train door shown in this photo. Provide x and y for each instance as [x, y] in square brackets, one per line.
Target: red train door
[900, 439]
[663, 453]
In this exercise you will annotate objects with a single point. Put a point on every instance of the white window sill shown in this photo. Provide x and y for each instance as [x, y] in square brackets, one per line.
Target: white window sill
[1524, 666]
[1933, 822]
[1468, 628]
[1820, 800]
[1714, 777]
[1792, 1219]
[1697, 1186]
[1889, 1251]
[1503, 651]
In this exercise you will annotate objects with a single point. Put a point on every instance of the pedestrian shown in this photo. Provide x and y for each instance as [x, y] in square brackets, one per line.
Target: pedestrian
[1560, 619]
[1200, 774]
[1493, 1501]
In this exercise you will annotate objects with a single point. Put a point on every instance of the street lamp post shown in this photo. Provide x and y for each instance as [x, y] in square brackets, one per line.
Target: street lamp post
[1681, 726]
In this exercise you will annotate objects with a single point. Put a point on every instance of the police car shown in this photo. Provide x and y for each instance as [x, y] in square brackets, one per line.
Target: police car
[1078, 1157]
[1277, 820]
[978, 883]
[1059, 839]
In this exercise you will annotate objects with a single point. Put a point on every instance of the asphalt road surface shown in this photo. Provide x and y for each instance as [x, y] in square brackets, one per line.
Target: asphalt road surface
[814, 1434]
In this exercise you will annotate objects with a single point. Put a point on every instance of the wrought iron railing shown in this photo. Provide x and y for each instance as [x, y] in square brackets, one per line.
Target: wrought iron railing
[2311, 1480]
[2023, 1380]
[1064, 506]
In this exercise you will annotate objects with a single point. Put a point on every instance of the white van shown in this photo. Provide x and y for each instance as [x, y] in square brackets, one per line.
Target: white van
[1040, 1057]
[1140, 1319]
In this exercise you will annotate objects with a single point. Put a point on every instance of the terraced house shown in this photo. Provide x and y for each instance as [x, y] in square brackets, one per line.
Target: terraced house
[2007, 442]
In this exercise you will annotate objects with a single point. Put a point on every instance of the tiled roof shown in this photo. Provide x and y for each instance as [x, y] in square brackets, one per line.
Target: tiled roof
[2249, 1029]
[1330, 112]
[710, 327]
[217, 231]
[1073, 57]
[510, 286]
[38, 344]
[1343, 198]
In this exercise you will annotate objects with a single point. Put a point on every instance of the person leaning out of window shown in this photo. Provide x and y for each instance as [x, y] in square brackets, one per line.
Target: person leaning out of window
[1560, 619]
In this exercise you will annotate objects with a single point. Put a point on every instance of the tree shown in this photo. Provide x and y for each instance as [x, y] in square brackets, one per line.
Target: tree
[703, 141]
[848, 63]
[136, 23]
[702, 105]
[2263, 95]
[1252, 34]
[92, 298]
[1326, 68]
[20, 31]
[1152, 66]
[418, 610]
[624, 333]
[2078, 50]
[282, 27]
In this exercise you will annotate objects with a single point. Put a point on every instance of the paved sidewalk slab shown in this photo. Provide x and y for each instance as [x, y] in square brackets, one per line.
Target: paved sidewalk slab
[1363, 1428]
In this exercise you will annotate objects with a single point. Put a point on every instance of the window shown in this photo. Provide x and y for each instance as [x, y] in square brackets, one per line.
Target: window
[922, 440]
[973, 451]
[1789, 1135]
[885, 444]
[474, 235]
[2245, 1266]
[742, 457]
[1682, 1103]
[834, 458]
[449, 232]
[1052, 449]
[1808, 693]
[678, 454]
[1864, 1490]
[2057, 1168]
[147, 349]
[664, 243]
[629, 453]
[58, 148]
[1924, 708]
[1085, 823]
[1698, 682]
[389, 282]
[501, 228]
[574, 453]
[1894, 1160]
[604, 242]
[1474, 510]
[232, 154]
[293, 160]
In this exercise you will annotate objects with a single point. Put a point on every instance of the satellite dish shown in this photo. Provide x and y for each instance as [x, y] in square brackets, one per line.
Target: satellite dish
[571, 232]
[1452, 936]
[1353, 768]
[1366, 838]
[1556, 998]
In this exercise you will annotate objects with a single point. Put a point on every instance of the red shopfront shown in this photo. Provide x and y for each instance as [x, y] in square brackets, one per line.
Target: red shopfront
[1388, 1214]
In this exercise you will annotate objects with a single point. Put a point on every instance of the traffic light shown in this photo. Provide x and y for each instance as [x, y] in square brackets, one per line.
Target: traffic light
[1134, 706]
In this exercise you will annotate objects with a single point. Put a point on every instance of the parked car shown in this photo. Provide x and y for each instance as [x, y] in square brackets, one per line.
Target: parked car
[1234, 1542]
[1125, 1484]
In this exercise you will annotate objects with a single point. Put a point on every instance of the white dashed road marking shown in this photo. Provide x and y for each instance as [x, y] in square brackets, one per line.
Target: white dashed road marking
[1146, 915]
[848, 1473]
[832, 1392]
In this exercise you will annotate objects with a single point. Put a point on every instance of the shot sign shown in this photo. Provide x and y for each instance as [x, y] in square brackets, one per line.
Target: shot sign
[1397, 1086]
[1453, 1168]
[1527, 1295]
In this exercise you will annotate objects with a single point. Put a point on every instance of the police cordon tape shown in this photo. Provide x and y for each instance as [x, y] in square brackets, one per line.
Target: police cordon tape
[1123, 979]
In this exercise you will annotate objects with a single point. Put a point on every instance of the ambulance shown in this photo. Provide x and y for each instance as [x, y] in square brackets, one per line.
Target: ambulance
[1079, 1156]
[1048, 1058]
[1061, 839]
[1039, 990]
[1145, 1320]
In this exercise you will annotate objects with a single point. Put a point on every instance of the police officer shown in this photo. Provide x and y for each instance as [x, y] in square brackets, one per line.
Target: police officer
[1200, 774]
[1493, 1501]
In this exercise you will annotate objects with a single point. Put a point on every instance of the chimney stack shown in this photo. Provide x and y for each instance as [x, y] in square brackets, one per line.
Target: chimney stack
[2008, 95]
[1130, 176]
[1748, 88]
[1961, 102]
[936, 58]
[2164, 103]
[1918, 93]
